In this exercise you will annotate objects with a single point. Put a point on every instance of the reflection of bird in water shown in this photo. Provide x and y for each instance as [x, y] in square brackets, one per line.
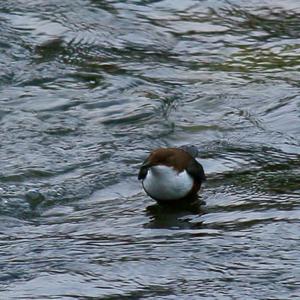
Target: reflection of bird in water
[174, 216]
[172, 175]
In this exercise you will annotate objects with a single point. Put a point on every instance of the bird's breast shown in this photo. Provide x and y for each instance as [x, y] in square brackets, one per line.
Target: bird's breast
[165, 183]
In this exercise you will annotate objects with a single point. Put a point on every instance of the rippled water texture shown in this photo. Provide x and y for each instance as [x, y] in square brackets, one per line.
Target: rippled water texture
[88, 88]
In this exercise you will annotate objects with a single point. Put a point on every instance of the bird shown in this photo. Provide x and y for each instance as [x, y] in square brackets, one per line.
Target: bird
[171, 175]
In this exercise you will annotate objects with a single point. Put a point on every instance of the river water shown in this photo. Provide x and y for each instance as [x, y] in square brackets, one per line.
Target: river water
[88, 88]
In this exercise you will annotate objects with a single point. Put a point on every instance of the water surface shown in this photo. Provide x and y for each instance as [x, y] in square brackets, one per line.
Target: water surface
[88, 88]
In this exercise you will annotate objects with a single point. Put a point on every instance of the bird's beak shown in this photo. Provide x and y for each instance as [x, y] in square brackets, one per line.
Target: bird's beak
[144, 170]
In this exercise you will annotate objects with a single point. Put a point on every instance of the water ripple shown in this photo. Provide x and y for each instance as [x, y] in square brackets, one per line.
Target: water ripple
[88, 88]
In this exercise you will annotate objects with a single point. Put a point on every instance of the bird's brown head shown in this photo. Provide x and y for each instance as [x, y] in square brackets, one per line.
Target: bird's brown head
[172, 157]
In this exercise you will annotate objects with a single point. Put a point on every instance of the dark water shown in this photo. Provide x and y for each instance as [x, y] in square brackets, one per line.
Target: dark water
[88, 88]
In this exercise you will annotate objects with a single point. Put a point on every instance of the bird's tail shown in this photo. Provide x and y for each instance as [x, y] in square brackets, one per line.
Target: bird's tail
[190, 149]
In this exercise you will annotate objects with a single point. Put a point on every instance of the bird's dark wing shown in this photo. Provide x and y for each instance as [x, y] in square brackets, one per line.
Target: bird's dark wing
[195, 169]
[144, 170]
[142, 173]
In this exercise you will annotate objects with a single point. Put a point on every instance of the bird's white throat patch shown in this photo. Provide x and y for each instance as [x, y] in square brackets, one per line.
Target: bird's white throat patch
[165, 183]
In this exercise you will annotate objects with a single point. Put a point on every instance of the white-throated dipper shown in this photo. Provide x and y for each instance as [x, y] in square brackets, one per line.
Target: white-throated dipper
[172, 174]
